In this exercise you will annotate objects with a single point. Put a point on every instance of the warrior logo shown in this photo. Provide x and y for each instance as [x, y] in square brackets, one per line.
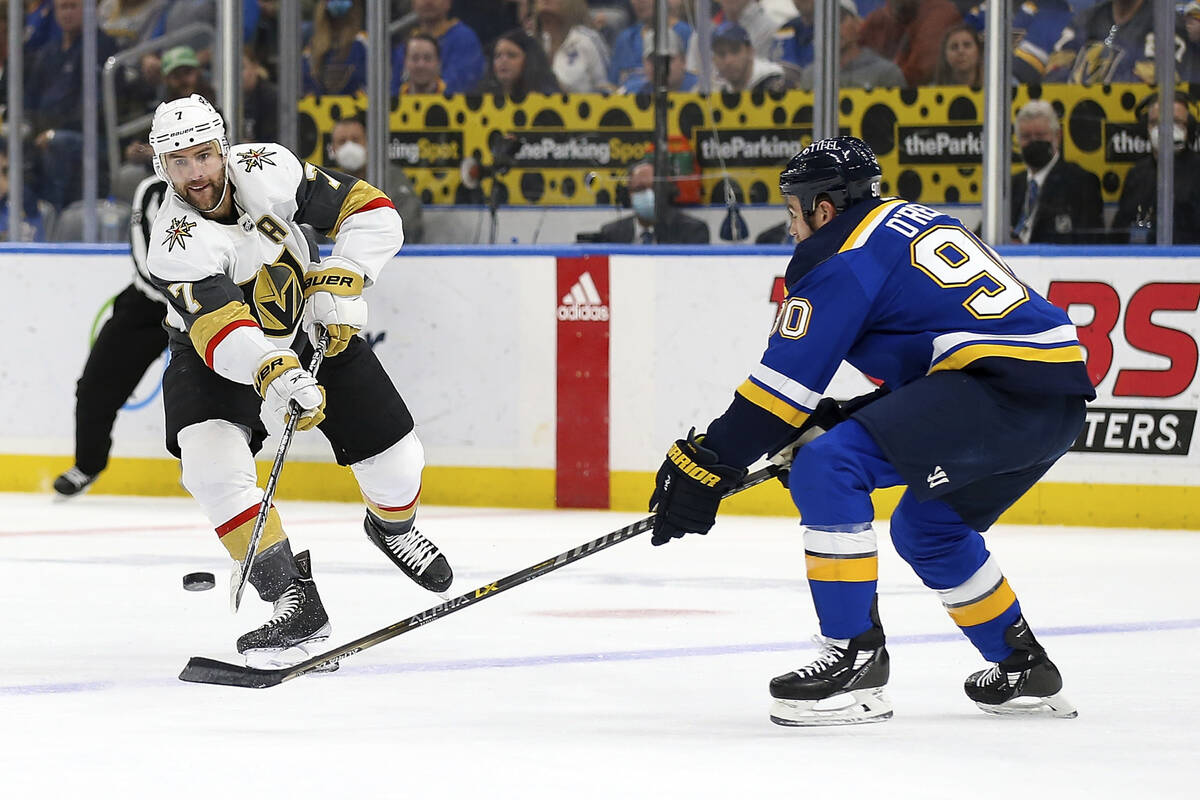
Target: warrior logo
[278, 294]
[255, 158]
[180, 229]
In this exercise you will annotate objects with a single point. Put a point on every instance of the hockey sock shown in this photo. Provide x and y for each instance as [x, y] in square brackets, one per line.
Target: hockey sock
[843, 573]
[984, 606]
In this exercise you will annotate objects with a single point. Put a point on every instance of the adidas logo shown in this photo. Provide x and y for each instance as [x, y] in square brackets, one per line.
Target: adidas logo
[937, 477]
[583, 302]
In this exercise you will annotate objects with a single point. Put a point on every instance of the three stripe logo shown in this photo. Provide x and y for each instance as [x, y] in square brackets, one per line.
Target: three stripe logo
[583, 303]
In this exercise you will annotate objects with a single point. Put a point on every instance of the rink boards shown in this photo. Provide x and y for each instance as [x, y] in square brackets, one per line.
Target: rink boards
[557, 376]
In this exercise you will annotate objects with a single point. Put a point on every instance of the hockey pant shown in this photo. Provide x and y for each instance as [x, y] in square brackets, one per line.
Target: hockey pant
[218, 471]
[832, 480]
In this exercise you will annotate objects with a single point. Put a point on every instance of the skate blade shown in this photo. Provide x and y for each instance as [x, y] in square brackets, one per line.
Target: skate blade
[1056, 705]
[856, 707]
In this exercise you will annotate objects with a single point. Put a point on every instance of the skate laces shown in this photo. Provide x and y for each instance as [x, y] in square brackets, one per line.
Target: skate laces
[286, 606]
[412, 548]
[998, 675]
[830, 654]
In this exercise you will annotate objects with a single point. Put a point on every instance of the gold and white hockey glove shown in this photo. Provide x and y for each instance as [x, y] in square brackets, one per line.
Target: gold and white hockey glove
[286, 387]
[333, 298]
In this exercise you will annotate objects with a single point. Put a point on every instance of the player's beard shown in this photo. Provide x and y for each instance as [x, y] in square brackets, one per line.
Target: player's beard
[210, 198]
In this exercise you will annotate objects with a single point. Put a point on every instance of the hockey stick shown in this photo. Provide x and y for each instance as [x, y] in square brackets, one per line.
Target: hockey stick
[207, 670]
[237, 584]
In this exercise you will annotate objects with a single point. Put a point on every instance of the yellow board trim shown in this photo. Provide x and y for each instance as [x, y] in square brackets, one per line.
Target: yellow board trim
[1099, 505]
[867, 221]
[848, 570]
[971, 353]
[985, 609]
[772, 404]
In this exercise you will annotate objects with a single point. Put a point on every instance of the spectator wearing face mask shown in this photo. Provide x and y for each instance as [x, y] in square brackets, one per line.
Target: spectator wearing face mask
[336, 59]
[1053, 201]
[1135, 220]
[639, 228]
[348, 148]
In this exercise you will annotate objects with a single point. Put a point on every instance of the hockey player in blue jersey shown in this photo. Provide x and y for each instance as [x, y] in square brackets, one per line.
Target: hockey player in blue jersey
[984, 388]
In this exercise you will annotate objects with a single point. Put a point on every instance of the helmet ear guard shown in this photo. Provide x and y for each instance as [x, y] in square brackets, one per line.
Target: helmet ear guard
[841, 168]
[183, 123]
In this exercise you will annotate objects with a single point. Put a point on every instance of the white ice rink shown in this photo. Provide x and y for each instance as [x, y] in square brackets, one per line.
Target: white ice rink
[636, 672]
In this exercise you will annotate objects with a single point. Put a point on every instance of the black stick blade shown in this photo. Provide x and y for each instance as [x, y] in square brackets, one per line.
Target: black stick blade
[207, 670]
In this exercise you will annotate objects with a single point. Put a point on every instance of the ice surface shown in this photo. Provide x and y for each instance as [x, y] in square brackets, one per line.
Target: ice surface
[636, 672]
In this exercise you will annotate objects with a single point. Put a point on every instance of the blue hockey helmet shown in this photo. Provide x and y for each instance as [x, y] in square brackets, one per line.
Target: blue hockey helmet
[842, 168]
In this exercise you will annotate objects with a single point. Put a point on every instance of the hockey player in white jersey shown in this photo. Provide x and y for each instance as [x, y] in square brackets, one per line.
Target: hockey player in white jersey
[247, 300]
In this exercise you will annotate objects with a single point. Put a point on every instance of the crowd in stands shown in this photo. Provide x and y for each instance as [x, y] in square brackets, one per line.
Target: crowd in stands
[515, 47]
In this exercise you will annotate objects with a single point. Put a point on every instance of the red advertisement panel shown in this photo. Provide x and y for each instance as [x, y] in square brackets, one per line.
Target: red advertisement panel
[581, 462]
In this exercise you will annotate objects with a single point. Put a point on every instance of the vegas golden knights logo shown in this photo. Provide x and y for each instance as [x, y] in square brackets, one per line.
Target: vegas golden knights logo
[279, 294]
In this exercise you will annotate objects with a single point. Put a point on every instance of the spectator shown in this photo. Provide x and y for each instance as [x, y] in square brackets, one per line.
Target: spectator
[1036, 27]
[1110, 42]
[1053, 201]
[39, 23]
[348, 147]
[263, 38]
[908, 32]
[578, 54]
[518, 66]
[422, 66]
[678, 79]
[1135, 220]
[739, 68]
[130, 22]
[260, 106]
[54, 105]
[181, 76]
[961, 59]
[490, 20]
[336, 61]
[628, 52]
[1190, 68]
[793, 48]
[461, 52]
[677, 227]
[752, 18]
[32, 227]
[861, 67]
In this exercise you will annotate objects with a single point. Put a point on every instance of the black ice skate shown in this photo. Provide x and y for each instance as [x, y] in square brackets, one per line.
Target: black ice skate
[73, 482]
[844, 686]
[1027, 682]
[299, 623]
[418, 557]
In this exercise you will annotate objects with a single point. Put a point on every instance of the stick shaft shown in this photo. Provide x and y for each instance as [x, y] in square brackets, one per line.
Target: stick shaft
[264, 508]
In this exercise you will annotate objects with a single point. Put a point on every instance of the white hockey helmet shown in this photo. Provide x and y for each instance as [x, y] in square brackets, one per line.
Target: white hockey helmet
[182, 123]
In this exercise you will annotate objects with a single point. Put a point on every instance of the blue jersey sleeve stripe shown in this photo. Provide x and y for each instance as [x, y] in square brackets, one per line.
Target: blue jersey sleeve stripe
[971, 353]
[858, 236]
[772, 404]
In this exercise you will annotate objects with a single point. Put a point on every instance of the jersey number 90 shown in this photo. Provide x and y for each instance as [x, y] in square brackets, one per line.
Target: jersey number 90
[954, 259]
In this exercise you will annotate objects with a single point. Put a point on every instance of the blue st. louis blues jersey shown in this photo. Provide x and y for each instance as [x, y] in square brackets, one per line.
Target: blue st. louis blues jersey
[899, 291]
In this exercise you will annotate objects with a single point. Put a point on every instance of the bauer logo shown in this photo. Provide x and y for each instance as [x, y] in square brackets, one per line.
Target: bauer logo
[583, 302]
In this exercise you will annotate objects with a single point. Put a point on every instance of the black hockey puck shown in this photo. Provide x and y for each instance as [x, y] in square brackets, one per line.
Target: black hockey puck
[199, 581]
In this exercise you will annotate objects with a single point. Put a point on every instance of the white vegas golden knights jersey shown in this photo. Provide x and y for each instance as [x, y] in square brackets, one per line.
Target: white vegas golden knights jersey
[226, 280]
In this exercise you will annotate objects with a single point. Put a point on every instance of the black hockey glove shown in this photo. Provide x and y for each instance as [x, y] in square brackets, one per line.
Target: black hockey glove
[829, 412]
[688, 490]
